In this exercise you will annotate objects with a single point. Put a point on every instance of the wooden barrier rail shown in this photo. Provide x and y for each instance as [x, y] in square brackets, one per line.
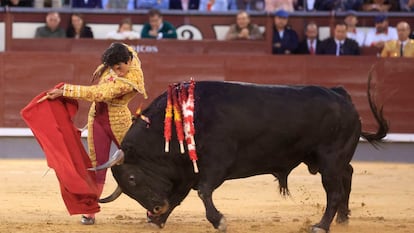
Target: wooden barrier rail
[25, 74]
[30, 66]
[166, 47]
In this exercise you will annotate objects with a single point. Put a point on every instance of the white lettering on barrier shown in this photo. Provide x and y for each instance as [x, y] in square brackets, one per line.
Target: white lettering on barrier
[146, 48]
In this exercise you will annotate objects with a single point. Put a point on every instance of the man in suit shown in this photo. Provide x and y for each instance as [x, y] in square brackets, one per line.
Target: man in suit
[339, 44]
[311, 42]
[285, 39]
[403, 47]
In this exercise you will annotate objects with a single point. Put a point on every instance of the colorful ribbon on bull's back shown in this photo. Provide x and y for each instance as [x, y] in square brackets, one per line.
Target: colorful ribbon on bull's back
[180, 105]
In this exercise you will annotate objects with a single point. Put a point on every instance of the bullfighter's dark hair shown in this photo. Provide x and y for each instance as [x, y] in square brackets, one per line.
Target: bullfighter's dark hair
[115, 54]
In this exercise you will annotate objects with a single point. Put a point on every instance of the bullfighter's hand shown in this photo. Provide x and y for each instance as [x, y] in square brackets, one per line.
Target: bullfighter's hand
[52, 94]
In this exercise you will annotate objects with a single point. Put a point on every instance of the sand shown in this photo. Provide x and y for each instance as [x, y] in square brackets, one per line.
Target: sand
[381, 201]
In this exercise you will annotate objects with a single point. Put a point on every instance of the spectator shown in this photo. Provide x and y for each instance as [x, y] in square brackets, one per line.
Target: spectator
[87, 4]
[326, 5]
[243, 29]
[214, 5]
[124, 31]
[339, 44]
[376, 37]
[273, 5]
[305, 5]
[395, 5]
[346, 5]
[403, 47]
[184, 4]
[376, 5]
[311, 42]
[285, 39]
[351, 21]
[77, 27]
[17, 3]
[407, 5]
[47, 3]
[249, 5]
[157, 28]
[338, 5]
[116, 4]
[52, 28]
[152, 4]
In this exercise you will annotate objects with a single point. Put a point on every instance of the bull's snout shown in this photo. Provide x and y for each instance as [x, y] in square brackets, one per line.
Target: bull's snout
[160, 209]
[158, 215]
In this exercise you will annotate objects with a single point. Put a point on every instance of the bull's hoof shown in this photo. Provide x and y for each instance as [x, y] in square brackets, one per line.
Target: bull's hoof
[315, 229]
[222, 227]
[342, 220]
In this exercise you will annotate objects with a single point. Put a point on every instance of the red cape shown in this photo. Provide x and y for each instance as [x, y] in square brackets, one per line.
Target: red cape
[52, 125]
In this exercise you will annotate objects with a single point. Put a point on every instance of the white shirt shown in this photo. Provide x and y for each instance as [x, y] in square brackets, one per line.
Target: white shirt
[127, 35]
[338, 45]
[312, 44]
[358, 36]
[373, 37]
[281, 34]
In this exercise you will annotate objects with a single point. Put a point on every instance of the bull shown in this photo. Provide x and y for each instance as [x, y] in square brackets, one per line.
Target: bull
[243, 130]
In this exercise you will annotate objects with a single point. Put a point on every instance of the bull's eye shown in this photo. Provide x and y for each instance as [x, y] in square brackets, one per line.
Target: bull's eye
[131, 180]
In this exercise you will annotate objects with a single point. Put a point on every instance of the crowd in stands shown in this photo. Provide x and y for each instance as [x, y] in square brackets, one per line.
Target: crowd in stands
[225, 5]
[346, 39]
[155, 28]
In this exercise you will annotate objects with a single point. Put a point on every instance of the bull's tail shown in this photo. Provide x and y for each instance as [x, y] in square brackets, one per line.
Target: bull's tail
[375, 138]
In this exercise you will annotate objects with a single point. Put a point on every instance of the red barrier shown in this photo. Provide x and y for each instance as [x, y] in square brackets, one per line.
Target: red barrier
[24, 74]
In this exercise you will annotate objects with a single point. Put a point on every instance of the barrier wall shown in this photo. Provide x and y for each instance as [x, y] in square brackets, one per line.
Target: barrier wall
[30, 66]
[26, 74]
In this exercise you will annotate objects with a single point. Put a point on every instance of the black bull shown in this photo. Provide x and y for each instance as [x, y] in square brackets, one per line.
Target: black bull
[243, 130]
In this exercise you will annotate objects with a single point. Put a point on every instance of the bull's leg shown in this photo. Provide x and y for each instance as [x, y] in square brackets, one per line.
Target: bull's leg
[212, 214]
[343, 208]
[332, 183]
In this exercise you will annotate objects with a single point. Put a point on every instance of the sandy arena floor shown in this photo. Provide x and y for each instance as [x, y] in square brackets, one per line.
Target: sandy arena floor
[381, 201]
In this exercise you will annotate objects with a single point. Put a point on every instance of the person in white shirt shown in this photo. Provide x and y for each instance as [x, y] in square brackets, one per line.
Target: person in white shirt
[124, 31]
[376, 37]
[351, 21]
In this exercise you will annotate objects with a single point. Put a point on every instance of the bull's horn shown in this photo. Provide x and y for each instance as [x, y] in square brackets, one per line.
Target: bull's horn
[113, 196]
[116, 159]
